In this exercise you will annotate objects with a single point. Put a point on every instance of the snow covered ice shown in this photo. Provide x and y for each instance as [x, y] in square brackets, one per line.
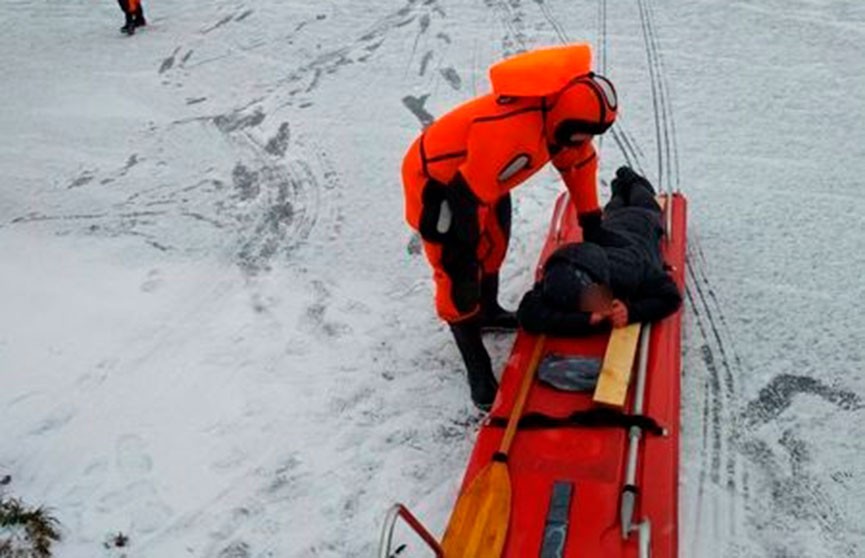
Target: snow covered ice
[215, 339]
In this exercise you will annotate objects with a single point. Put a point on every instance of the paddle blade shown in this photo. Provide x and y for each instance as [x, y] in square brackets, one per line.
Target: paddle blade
[479, 523]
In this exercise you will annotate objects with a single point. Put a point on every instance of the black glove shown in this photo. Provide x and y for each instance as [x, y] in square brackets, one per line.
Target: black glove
[589, 221]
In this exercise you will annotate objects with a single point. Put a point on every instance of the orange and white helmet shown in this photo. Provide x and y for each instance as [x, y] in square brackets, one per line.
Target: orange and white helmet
[586, 106]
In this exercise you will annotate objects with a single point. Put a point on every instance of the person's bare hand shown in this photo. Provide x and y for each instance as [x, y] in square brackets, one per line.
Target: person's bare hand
[596, 317]
[619, 314]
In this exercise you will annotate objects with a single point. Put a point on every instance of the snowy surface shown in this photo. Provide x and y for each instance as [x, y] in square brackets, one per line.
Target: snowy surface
[214, 339]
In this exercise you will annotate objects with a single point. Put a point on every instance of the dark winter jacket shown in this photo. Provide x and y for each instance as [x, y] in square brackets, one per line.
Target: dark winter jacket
[622, 251]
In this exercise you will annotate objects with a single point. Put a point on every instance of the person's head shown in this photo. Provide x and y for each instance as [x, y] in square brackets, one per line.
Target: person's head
[595, 298]
[577, 279]
[584, 108]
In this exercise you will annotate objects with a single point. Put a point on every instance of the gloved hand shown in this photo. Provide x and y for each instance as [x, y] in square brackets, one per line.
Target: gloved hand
[589, 221]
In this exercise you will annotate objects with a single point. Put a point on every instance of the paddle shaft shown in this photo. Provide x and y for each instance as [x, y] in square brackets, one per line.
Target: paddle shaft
[520, 401]
[479, 523]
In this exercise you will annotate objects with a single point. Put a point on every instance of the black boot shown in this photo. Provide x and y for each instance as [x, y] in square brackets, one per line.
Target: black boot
[139, 17]
[626, 182]
[129, 27]
[493, 316]
[621, 184]
[479, 369]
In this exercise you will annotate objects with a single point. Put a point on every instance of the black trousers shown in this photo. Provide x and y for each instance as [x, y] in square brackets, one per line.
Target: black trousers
[468, 263]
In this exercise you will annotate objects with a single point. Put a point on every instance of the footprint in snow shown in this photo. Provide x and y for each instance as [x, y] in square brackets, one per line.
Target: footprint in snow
[138, 505]
[153, 282]
[131, 456]
[56, 420]
[135, 507]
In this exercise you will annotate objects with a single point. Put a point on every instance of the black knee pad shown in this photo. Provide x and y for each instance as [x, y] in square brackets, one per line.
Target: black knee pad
[463, 269]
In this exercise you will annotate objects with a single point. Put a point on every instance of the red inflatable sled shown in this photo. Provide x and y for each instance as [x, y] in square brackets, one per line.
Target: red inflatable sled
[585, 480]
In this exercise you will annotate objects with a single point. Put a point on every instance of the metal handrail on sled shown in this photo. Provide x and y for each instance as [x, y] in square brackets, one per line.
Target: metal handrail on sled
[630, 489]
[398, 511]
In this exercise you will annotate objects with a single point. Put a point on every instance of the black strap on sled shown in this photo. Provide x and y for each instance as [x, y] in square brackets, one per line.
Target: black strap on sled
[599, 417]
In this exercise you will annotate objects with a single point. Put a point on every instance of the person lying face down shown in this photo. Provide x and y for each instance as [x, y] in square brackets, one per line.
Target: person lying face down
[615, 277]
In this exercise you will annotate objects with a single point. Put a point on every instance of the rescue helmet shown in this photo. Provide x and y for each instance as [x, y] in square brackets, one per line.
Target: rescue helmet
[587, 106]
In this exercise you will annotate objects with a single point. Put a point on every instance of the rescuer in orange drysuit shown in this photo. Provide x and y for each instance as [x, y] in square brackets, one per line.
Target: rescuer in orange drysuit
[546, 105]
[134, 15]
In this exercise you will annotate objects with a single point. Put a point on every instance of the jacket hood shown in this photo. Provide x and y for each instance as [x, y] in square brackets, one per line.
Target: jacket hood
[572, 268]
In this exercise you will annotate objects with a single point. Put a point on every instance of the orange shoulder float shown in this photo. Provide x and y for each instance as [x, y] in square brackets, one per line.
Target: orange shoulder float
[540, 72]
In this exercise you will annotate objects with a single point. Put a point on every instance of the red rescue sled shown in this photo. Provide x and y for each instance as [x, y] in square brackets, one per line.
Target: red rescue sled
[591, 460]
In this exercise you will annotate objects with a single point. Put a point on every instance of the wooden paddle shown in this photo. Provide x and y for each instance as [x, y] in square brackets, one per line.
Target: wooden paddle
[479, 523]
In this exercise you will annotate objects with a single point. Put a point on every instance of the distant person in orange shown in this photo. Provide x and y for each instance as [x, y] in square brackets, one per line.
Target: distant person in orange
[134, 15]
[546, 105]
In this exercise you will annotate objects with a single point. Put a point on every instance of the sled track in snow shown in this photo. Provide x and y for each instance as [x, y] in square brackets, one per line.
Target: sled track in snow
[665, 122]
[721, 428]
[601, 47]
[720, 456]
[662, 142]
[724, 503]
[627, 144]
[634, 147]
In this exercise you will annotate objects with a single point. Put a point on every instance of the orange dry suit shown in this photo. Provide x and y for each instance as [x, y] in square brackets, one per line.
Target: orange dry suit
[458, 173]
